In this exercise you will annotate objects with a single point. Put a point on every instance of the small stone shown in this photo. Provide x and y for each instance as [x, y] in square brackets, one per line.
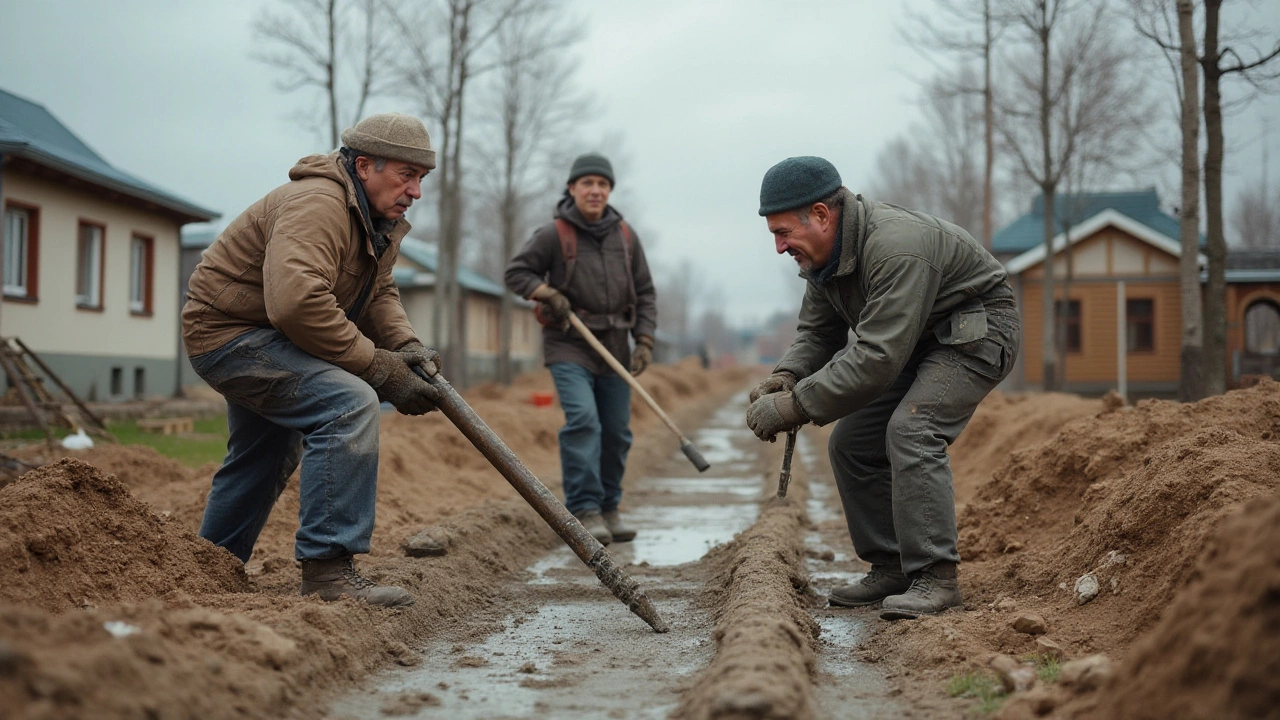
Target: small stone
[820, 553]
[1087, 673]
[429, 542]
[529, 668]
[1048, 647]
[1030, 623]
[1086, 588]
[1006, 604]
[1014, 676]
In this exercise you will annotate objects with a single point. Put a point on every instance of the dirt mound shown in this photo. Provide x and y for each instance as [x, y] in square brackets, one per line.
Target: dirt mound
[1213, 654]
[71, 536]
[1130, 496]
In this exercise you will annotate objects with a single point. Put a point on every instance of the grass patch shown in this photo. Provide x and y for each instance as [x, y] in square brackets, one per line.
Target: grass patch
[980, 685]
[1048, 667]
[208, 442]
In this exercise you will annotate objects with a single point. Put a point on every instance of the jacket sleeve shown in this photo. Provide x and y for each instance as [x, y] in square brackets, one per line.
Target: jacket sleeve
[646, 295]
[384, 319]
[299, 270]
[822, 334]
[530, 267]
[901, 289]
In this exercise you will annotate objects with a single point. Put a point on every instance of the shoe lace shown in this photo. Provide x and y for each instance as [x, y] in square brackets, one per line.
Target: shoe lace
[921, 585]
[355, 579]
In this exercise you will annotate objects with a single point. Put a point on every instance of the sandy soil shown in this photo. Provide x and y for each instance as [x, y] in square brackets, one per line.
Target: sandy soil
[112, 607]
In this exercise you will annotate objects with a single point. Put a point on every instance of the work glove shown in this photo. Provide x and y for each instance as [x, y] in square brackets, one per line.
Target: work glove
[392, 376]
[642, 355]
[775, 413]
[781, 381]
[554, 307]
[416, 354]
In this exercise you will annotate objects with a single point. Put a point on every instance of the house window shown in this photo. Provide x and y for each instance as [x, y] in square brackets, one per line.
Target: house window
[89, 266]
[21, 251]
[1140, 324]
[141, 265]
[1067, 332]
[117, 381]
[139, 382]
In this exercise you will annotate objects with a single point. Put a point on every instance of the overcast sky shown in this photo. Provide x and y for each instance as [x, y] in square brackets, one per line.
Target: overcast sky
[705, 95]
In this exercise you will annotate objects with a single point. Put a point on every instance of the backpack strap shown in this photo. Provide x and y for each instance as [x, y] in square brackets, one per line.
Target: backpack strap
[568, 249]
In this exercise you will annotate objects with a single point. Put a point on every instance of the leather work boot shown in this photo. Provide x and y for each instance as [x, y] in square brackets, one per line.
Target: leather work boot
[932, 590]
[594, 523]
[336, 578]
[880, 583]
[617, 528]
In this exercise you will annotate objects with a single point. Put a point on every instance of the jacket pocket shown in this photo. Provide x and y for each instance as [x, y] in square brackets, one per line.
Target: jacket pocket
[968, 323]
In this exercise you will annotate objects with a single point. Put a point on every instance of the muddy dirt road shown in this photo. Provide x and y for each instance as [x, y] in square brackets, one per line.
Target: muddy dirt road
[558, 645]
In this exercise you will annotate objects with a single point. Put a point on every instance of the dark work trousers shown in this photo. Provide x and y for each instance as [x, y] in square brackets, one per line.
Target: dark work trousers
[890, 457]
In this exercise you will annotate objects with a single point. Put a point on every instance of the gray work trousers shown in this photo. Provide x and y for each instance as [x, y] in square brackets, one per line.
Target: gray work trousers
[890, 457]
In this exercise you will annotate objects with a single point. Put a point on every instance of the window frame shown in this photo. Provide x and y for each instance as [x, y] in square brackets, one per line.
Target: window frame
[142, 306]
[1130, 322]
[82, 301]
[31, 291]
[1073, 323]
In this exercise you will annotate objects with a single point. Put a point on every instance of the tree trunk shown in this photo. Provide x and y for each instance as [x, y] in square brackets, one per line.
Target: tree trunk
[1048, 185]
[1191, 385]
[988, 121]
[1215, 316]
[331, 71]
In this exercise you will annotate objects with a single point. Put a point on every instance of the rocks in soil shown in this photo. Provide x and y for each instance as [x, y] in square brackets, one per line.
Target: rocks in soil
[428, 542]
[1045, 646]
[1014, 676]
[1030, 623]
[1087, 673]
[1086, 588]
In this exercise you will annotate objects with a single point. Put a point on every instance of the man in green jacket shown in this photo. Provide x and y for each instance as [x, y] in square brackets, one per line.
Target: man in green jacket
[935, 329]
[292, 315]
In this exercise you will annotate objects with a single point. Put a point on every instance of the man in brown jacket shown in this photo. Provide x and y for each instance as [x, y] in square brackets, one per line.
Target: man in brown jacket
[292, 315]
[607, 283]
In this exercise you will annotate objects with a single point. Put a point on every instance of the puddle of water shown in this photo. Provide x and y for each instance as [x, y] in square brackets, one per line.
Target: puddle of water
[677, 535]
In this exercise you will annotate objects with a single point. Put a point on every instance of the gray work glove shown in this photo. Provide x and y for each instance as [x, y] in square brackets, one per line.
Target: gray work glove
[775, 413]
[554, 307]
[415, 353]
[642, 355]
[781, 381]
[392, 376]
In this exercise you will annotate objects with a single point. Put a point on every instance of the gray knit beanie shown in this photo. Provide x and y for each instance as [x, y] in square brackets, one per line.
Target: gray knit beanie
[392, 136]
[592, 164]
[796, 182]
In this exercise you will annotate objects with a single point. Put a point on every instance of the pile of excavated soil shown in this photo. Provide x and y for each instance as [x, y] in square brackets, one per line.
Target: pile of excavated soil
[1134, 497]
[112, 607]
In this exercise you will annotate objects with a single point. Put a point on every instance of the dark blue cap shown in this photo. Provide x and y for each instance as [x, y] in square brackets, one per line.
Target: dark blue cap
[796, 182]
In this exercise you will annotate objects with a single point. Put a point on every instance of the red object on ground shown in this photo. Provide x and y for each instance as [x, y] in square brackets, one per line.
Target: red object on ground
[541, 399]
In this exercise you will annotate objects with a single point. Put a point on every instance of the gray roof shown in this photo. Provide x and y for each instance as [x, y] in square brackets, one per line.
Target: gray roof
[1244, 266]
[424, 255]
[29, 131]
[1028, 231]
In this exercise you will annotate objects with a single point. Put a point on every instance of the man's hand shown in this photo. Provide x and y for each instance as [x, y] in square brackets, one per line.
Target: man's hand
[781, 381]
[416, 354]
[391, 375]
[554, 306]
[775, 413]
[642, 355]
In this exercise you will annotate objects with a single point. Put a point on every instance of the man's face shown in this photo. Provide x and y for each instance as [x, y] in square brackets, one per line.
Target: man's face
[392, 189]
[591, 194]
[808, 243]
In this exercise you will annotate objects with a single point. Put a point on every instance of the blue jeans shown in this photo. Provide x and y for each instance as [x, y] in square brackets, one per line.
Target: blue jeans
[595, 438]
[286, 406]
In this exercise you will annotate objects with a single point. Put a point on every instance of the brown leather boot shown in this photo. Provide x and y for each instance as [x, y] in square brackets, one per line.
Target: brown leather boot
[932, 590]
[336, 578]
[880, 583]
[618, 528]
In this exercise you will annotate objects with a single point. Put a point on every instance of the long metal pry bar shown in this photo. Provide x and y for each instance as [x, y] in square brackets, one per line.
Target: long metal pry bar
[784, 477]
[586, 547]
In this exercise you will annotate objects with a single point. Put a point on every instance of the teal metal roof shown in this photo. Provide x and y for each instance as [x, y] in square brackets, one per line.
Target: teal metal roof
[424, 255]
[28, 130]
[1028, 231]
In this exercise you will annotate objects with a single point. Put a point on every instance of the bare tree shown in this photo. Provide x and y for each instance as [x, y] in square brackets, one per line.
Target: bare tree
[314, 45]
[441, 71]
[969, 30]
[1073, 99]
[1255, 218]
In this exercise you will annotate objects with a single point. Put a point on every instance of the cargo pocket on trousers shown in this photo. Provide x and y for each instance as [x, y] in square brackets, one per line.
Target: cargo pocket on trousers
[985, 357]
[263, 388]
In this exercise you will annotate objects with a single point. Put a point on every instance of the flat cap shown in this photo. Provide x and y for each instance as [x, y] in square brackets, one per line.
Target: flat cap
[796, 182]
[393, 136]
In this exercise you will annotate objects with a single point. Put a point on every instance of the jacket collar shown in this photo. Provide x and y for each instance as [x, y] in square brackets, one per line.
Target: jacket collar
[848, 243]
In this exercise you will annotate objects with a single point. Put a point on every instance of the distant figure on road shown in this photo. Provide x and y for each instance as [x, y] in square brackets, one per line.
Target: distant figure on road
[292, 315]
[590, 262]
[935, 328]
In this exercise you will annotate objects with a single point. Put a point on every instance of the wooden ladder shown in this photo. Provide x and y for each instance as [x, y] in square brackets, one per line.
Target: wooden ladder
[47, 411]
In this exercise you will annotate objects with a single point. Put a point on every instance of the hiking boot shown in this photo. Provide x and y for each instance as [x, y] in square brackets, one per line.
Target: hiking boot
[336, 578]
[617, 528]
[880, 583]
[593, 521]
[932, 590]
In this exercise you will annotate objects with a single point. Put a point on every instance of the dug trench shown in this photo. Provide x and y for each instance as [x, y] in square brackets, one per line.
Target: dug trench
[110, 607]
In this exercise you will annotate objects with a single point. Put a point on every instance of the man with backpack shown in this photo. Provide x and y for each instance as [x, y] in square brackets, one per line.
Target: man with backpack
[589, 262]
